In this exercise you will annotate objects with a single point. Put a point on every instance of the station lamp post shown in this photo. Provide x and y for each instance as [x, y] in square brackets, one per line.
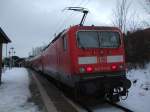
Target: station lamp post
[9, 59]
[12, 48]
[13, 59]
[6, 50]
[13, 52]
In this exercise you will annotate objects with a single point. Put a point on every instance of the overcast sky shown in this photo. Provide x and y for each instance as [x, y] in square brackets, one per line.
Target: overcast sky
[32, 23]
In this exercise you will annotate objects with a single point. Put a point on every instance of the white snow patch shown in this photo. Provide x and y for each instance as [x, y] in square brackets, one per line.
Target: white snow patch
[139, 93]
[14, 92]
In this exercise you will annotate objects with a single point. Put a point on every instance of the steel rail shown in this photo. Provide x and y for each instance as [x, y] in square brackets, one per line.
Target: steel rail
[119, 106]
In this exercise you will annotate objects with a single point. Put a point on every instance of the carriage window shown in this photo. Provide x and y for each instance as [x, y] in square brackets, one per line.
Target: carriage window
[64, 43]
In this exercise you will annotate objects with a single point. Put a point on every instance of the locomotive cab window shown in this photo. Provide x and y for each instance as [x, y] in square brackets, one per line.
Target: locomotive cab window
[98, 39]
[109, 39]
[88, 39]
[64, 42]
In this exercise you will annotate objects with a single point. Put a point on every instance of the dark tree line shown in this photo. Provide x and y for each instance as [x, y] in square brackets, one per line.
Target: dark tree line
[137, 46]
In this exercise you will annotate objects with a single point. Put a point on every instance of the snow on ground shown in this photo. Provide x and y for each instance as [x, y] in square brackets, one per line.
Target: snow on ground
[139, 93]
[14, 92]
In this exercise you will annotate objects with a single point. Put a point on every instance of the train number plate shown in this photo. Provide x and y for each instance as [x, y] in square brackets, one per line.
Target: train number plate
[102, 59]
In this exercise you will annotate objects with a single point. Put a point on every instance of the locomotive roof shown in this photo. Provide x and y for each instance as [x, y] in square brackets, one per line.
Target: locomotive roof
[85, 28]
[59, 35]
[96, 27]
[78, 27]
[82, 28]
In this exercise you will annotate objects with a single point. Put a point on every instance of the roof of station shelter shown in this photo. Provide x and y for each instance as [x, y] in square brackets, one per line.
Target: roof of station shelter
[3, 37]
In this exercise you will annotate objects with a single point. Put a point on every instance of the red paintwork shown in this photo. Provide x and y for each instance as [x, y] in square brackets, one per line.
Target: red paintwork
[104, 67]
[56, 60]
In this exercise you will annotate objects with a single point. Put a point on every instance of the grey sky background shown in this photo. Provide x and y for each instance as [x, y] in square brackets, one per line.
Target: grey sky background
[32, 23]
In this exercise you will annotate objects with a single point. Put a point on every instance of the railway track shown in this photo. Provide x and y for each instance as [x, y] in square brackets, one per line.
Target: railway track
[88, 109]
[85, 106]
[119, 106]
[124, 109]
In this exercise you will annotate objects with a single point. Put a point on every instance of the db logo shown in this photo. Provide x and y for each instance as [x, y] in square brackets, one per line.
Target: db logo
[102, 59]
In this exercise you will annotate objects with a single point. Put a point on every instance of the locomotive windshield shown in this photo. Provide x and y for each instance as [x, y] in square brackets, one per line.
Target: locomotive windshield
[97, 39]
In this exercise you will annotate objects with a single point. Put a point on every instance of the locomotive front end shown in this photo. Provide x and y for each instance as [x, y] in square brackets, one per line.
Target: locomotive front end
[99, 61]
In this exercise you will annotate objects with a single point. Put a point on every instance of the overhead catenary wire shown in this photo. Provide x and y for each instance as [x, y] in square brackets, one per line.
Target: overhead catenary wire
[65, 17]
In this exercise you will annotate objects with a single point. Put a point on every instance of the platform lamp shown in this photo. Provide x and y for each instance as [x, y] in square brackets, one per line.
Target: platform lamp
[12, 48]
[14, 60]
[9, 59]
[6, 55]
[14, 53]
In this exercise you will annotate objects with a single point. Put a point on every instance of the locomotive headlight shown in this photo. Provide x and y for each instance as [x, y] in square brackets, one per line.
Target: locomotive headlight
[82, 70]
[113, 67]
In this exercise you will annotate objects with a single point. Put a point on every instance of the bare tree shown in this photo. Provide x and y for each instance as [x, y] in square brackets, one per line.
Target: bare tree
[134, 22]
[120, 14]
[147, 6]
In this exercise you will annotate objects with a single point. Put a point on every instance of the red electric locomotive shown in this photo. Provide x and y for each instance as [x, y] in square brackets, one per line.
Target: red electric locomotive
[90, 59]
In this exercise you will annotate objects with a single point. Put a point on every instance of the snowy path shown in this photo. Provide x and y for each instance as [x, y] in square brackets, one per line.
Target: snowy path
[14, 92]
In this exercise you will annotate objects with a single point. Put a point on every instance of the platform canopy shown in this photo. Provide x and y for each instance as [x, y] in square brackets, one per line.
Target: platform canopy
[3, 37]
